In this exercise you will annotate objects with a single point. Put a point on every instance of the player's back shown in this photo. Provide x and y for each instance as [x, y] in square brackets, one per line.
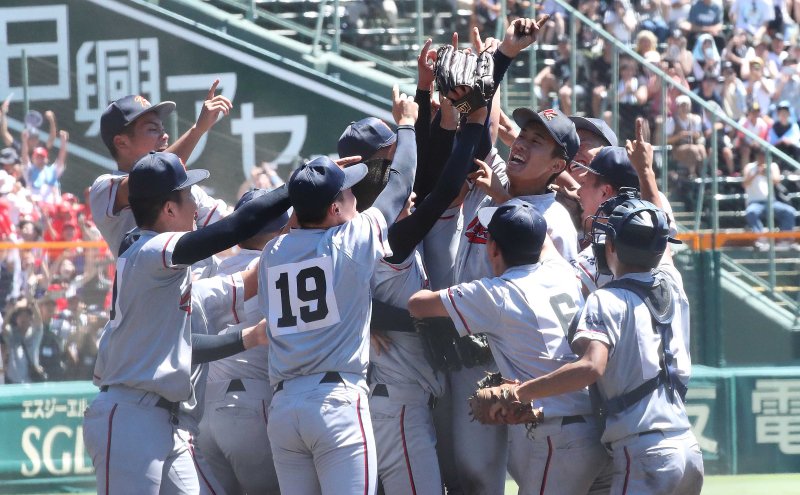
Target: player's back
[315, 292]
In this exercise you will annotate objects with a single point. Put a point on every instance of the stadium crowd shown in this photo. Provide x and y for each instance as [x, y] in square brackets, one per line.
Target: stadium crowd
[740, 56]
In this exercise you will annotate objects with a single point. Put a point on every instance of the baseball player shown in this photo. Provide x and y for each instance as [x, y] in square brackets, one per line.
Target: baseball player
[141, 391]
[525, 310]
[403, 384]
[633, 339]
[316, 298]
[131, 127]
[608, 170]
[233, 431]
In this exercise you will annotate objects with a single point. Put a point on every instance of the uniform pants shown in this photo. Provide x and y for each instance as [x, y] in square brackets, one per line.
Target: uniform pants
[136, 449]
[321, 437]
[233, 437]
[406, 440]
[558, 458]
[480, 452]
[657, 463]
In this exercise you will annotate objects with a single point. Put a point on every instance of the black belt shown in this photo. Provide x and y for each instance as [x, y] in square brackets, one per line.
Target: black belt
[161, 402]
[380, 390]
[330, 377]
[235, 385]
[568, 420]
[649, 432]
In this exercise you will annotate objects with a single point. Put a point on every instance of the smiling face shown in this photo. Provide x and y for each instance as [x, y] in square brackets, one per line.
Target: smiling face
[534, 159]
[144, 135]
[185, 212]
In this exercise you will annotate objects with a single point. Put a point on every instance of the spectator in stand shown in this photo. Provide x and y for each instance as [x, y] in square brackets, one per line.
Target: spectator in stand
[751, 15]
[760, 88]
[554, 28]
[484, 15]
[52, 349]
[33, 120]
[712, 129]
[760, 53]
[708, 91]
[735, 50]
[651, 18]
[676, 11]
[678, 53]
[706, 58]
[787, 87]
[632, 94]
[734, 93]
[22, 338]
[555, 78]
[755, 123]
[756, 187]
[777, 51]
[588, 39]
[600, 75]
[654, 95]
[705, 16]
[785, 133]
[685, 134]
[43, 179]
[620, 20]
[647, 46]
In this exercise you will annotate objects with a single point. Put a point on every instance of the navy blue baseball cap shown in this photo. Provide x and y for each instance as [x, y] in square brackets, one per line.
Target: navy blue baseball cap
[364, 138]
[517, 227]
[316, 184]
[596, 126]
[273, 225]
[120, 113]
[560, 127]
[159, 173]
[612, 163]
[9, 156]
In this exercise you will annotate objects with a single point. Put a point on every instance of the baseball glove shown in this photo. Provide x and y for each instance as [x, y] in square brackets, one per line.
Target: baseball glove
[456, 68]
[494, 404]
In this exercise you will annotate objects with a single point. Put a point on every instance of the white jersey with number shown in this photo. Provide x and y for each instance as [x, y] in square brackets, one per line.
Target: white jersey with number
[251, 363]
[404, 362]
[620, 319]
[147, 342]
[113, 226]
[525, 313]
[314, 290]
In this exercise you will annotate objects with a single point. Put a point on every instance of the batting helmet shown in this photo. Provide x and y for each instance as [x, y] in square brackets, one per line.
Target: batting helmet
[638, 229]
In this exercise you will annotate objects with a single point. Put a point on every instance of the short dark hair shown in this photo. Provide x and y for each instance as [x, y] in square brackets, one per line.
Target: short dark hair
[517, 259]
[560, 153]
[145, 210]
[316, 217]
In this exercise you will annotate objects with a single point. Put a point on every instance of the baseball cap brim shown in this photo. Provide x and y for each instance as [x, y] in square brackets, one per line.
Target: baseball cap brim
[485, 215]
[523, 116]
[353, 175]
[163, 109]
[588, 125]
[193, 177]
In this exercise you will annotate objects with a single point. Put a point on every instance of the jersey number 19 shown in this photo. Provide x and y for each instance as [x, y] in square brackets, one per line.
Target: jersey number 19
[301, 297]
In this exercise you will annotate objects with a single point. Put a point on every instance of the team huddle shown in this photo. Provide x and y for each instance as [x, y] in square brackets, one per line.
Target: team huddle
[338, 351]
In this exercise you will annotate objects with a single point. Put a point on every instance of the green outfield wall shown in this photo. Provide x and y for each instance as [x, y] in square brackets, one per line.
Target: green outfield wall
[747, 420]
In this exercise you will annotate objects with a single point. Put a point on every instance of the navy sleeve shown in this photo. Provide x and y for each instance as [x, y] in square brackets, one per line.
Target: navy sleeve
[401, 176]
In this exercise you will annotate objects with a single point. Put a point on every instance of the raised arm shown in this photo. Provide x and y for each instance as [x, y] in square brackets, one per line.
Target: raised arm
[401, 175]
[51, 128]
[213, 106]
[405, 234]
[6, 136]
[233, 229]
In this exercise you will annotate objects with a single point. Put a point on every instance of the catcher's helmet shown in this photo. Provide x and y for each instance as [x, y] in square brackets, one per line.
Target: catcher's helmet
[638, 229]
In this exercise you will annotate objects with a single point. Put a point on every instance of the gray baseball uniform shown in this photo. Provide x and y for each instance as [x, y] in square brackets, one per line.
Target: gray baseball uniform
[526, 313]
[114, 226]
[403, 387]
[233, 435]
[141, 391]
[316, 297]
[641, 435]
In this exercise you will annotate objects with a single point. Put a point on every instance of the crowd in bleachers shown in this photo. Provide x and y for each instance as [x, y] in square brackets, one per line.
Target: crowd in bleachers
[741, 56]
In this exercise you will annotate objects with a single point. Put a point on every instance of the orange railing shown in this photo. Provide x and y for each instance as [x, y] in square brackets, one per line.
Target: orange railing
[705, 241]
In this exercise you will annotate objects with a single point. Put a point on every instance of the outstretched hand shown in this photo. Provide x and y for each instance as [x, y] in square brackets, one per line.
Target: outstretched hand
[487, 181]
[425, 64]
[640, 151]
[521, 34]
[404, 109]
[489, 43]
[213, 107]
